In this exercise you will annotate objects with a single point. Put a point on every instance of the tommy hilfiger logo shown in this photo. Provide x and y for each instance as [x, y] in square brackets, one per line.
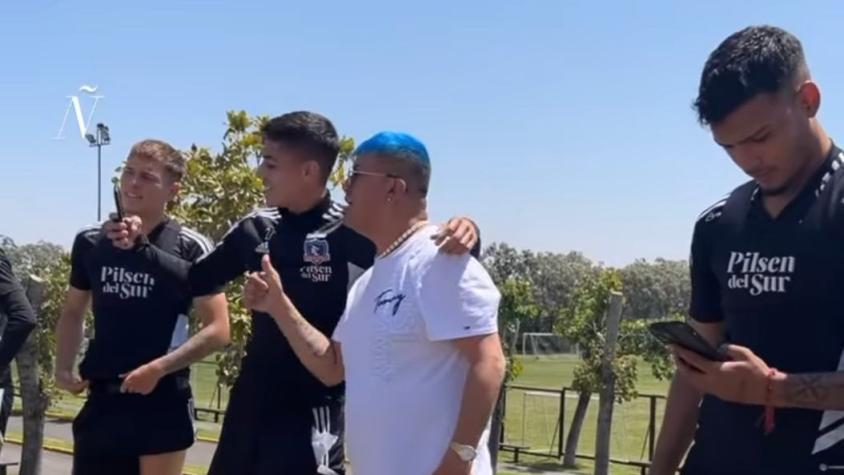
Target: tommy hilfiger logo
[759, 274]
[126, 284]
[391, 298]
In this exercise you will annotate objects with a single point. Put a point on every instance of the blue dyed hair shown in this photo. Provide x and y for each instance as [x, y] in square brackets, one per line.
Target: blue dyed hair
[404, 149]
[395, 144]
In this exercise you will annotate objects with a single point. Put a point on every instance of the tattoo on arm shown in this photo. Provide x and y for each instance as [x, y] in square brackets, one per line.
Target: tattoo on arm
[317, 343]
[815, 390]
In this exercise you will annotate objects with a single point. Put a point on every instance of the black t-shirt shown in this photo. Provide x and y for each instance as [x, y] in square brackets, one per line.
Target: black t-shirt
[140, 306]
[777, 286]
[15, 307]
[318, 258]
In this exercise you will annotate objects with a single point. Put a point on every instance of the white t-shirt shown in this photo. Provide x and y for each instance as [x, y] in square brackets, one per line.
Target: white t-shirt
[404, 378]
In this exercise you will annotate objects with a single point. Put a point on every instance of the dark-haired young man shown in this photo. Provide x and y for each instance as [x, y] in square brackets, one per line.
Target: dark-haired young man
[767, 264]
[280, 418]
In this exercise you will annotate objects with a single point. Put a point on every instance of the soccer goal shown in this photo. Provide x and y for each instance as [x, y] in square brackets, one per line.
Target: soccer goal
[538, 343]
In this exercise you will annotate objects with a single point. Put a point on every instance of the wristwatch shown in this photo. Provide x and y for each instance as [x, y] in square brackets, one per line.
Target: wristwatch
[467, 453]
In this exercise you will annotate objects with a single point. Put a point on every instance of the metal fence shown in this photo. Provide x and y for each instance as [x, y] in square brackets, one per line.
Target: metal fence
[508, 443]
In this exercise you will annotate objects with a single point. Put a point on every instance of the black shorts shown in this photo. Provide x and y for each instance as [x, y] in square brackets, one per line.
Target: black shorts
[113, 430]
[263, 436]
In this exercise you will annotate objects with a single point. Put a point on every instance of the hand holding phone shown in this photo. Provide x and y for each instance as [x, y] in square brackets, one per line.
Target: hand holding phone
[682, 334]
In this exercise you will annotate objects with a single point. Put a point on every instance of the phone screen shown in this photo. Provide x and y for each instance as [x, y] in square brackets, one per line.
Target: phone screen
[682, 334]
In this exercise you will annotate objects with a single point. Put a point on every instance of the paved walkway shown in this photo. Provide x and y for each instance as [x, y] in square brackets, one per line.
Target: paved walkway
[55, 463]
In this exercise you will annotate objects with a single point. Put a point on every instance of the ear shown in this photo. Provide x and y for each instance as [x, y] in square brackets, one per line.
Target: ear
[397, 187]
[311, 169]
[175, 187]
[809, 95]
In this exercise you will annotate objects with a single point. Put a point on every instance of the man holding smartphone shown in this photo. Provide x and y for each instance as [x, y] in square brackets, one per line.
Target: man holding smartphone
[137, 418]
[280, 418]
[766, 267]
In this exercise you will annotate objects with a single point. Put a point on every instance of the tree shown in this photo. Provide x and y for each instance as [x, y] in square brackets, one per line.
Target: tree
[504, 262]
[556, 278]
[583, 321]
[36, 258]
[656, 289]
[220, 188]
[553, 278]
[517, 305]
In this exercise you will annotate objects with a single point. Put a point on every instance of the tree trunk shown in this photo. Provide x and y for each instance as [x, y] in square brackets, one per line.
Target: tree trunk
[573, 438]
[607, 393]
[495, 429]
[34, 402]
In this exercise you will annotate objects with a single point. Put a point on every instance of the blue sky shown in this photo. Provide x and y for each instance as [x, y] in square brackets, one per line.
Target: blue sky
[559, 125]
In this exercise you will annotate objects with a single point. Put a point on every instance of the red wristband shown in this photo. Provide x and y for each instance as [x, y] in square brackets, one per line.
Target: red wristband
[769, 407]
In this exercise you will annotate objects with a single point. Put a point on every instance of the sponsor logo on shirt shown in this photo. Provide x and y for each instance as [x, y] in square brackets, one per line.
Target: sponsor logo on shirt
[759, 274]
[316, 253]
[126, 284]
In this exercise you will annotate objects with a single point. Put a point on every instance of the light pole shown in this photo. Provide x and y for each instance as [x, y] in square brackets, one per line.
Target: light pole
[101, 138]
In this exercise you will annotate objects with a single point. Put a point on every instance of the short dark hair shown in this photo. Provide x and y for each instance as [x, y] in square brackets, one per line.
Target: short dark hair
[163, 152]
[757, 59]
[308, 131]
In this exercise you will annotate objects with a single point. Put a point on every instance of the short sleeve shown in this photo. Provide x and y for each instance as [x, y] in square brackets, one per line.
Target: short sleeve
[705, 303]
[82, 246]
[196, 245]
[340, 329]
[457, 298]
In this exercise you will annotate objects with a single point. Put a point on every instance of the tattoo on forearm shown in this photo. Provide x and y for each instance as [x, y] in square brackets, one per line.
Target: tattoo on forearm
[315, 340]
[815, 389]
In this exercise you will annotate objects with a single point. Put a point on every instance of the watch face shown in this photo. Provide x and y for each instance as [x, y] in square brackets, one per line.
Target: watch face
[467, 454]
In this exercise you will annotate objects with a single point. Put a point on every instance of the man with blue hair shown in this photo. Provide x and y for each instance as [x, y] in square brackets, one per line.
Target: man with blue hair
[418, 343]
[280, 419]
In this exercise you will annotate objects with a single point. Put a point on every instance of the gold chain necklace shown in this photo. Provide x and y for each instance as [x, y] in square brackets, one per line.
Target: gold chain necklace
[404, 237]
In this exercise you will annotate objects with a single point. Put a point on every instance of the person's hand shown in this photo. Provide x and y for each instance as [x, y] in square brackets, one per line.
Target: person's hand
[142, 380]
[263, 290]
[451, 464]
[457, 236]
[65, 379]
[125, 232]
[744, 379]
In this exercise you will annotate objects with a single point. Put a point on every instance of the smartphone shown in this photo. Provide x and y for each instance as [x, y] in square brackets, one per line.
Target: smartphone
[682, 334]
[118, 204]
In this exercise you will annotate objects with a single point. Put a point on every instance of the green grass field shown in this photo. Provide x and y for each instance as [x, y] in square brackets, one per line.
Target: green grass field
[539, 430]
